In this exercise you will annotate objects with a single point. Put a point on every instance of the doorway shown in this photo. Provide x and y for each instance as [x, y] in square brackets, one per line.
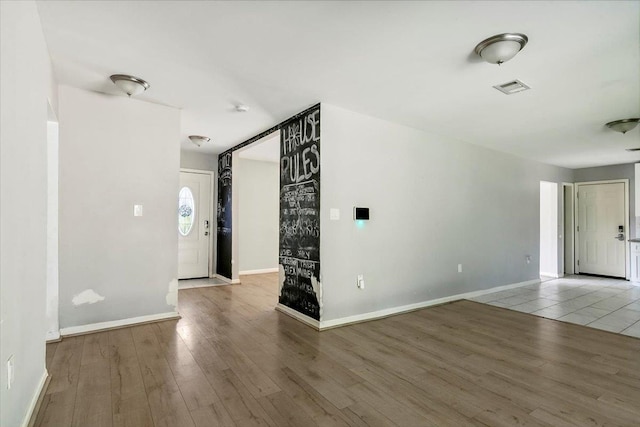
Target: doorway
[548, 230]
[194, 224]
[256, 194]
[602, 218]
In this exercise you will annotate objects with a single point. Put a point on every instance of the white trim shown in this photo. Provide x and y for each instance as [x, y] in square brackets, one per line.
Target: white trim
[212, 221]
[555, 275]
[627, 257]
[573, 229]
[34, 399]
[53, 336]
[114, 324]
[260, 271]
[328, 324]
[203, 285]
[298, 316]
[227, 280]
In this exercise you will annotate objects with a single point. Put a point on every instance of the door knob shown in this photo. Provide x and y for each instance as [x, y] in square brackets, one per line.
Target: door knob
[620, 237]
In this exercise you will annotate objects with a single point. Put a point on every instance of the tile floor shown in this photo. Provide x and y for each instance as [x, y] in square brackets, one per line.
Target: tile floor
[609, 304]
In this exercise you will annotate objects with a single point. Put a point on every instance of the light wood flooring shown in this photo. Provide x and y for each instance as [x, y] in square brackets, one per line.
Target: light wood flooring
[234, 361]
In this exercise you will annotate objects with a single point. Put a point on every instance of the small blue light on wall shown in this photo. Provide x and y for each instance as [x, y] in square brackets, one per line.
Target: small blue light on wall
[360, 215]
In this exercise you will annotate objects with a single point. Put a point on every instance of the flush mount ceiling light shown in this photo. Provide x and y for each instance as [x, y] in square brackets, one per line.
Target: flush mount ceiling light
[624, 125]
[129, 84]
[501, 48]
[199, 140]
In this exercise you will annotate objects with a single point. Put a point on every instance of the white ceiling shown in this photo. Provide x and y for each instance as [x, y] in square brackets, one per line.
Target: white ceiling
[407, 62]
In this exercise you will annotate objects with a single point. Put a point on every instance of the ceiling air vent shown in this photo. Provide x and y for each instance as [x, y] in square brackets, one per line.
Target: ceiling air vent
[512, 87]
[632, 149]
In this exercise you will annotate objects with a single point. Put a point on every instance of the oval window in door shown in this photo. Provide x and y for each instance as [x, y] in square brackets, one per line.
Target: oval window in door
[186, 211]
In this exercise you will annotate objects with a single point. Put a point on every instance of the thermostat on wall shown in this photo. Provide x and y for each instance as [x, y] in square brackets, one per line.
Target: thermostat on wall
[360, 213]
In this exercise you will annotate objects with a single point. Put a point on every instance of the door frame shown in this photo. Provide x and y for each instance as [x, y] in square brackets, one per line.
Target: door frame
[211, 268]
[568, 240]
[627, 261]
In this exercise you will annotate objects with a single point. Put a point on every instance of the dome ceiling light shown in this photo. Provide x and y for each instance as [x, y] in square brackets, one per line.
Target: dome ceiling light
[501, 48]
[129, 84]
[199, 140]
[624, 125]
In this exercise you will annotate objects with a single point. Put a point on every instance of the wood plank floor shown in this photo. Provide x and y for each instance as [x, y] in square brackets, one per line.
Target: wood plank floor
[234, 361]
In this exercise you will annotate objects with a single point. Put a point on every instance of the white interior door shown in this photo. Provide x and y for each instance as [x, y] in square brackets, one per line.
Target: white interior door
[601, 232]
[194, 225]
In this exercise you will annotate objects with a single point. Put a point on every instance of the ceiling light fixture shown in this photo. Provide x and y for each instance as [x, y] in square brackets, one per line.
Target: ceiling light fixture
[199, 140]
[129, 84]
[242, 108]
[624, 125]
[501, 48]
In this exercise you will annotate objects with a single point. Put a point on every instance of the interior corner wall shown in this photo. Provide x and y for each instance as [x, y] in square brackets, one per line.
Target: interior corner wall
[116, 152]
[434, 203]
[258, 183]
[25, 79]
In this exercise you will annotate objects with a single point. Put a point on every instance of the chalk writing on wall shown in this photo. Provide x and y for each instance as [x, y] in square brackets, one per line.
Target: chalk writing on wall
[223, 231]
[299, 253]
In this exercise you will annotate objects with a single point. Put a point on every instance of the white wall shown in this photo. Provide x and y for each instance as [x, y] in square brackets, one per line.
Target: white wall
[25, 76]
[258, 214]
[549, 229]
[53, 326]
[116, 152]
[435, 203]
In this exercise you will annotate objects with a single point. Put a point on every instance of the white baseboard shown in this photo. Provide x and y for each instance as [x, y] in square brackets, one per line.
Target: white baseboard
[262, 271]
[227, 280]
[115, 324]
[203, 285]
[53, 336]
[334, 323]
[34, 400]
[556, 275]
[298, 316]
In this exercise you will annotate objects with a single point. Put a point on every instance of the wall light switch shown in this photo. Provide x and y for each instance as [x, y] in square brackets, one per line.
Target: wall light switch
[334, 214]
[137, 210]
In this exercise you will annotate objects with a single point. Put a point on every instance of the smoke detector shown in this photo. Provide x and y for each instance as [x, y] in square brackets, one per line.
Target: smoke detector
[512, 87]
[241, 108]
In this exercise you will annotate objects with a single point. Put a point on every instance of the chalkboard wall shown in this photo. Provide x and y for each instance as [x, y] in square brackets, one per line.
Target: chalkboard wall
[224, 255]
[299, 252]
[300, 212]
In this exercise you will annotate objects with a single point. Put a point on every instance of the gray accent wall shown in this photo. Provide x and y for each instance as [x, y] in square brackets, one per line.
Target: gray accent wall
[258, 222]
[200, 161]
[434, 203]
[26, 81]
[116, 152]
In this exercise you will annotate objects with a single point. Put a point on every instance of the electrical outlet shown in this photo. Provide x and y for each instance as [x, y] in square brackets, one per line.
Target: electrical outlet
[360, 282]
[528, 259]
[10, 372]
[459, 268]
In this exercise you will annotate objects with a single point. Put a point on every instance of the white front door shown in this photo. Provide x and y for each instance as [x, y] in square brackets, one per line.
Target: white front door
[194, 225]
[601, 232]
